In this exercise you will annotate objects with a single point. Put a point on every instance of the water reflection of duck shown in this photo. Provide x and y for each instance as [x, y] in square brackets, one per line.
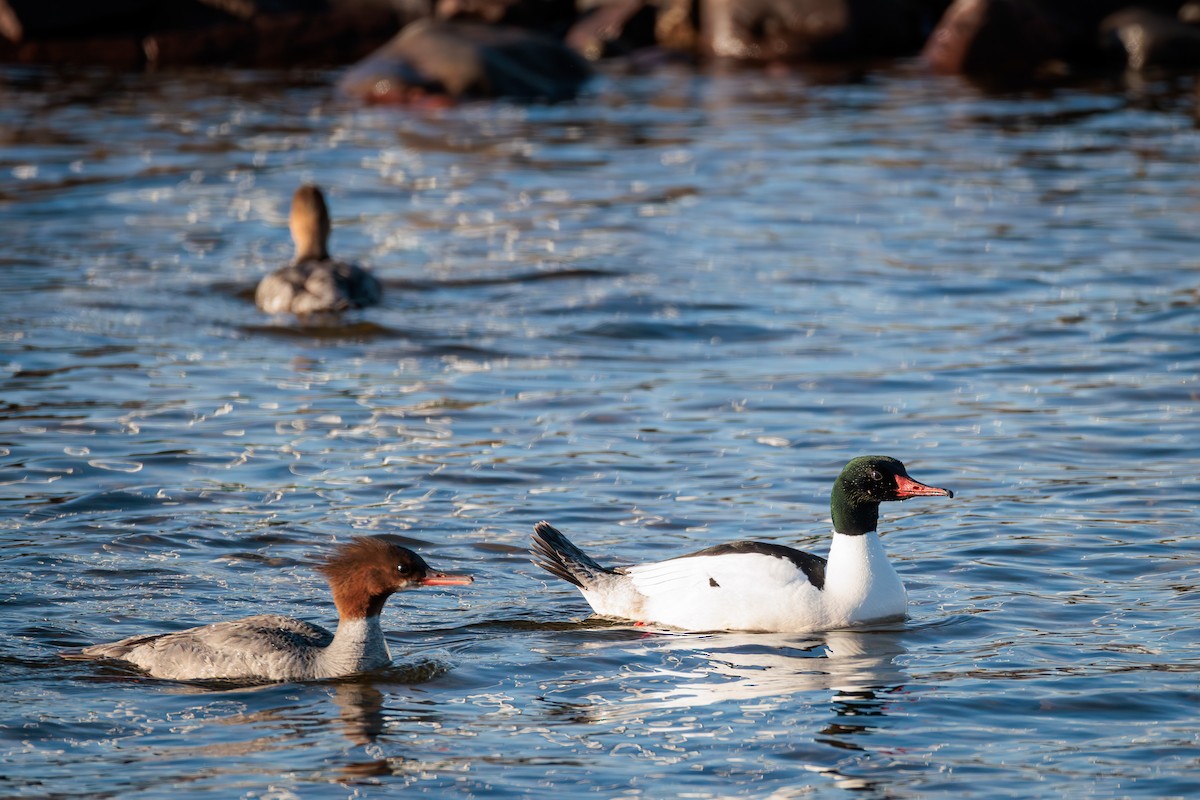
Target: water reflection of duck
[781, 679]
[363, 573]
[738, 668]
[757, 586]
[360, 710]
[314, 283]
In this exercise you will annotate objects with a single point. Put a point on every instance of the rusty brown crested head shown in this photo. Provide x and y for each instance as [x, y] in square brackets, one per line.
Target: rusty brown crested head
[309, 223]
[364, 572]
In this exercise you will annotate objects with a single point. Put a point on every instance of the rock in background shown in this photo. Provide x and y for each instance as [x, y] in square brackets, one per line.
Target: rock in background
[135, 34]
[1011, 40]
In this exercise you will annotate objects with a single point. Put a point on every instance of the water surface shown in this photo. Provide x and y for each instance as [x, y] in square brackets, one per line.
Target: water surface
[662, 317]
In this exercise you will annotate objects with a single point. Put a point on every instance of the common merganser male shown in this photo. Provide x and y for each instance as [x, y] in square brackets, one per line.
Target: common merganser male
[362, 574]
[759, 586]
[314, 283]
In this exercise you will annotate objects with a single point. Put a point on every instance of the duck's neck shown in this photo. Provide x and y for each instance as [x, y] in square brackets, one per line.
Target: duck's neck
[854, 516]
[358, 646]
[312, 253]
[856, 551]
[310, 245]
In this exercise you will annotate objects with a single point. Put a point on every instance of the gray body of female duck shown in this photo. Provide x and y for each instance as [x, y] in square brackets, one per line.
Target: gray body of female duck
[363, 573]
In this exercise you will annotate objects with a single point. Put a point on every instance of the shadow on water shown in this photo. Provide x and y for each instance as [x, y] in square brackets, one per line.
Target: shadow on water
[334, 331]
[326, 329]
[402, 286]
[669, 331]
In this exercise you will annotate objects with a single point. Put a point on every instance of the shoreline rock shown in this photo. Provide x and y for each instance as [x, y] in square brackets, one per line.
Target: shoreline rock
[1006, 40]
[431, 59]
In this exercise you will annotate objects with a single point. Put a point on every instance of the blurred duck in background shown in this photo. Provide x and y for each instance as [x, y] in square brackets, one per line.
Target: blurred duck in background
[314, 283]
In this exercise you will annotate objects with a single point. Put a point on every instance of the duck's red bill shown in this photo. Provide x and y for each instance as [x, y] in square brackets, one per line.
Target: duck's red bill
[906, 487]
[446, 579]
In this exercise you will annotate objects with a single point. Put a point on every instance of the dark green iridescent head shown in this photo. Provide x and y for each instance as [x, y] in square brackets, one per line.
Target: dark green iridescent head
[866, 482]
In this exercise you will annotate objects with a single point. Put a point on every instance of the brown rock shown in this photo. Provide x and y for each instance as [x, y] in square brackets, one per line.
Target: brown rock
[118, 52]
[22, 20]
[249, 9]
[677, 25]
[1147, 38]
[614, 28]
[463, 60]
[206, 44]
[129, 34]
[342, 36]
[1014, 39]
[994, 37]
[797, 30]
[549, 16]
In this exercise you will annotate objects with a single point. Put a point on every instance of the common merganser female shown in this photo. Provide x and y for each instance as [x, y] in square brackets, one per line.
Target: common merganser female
[362, 574]
[759, 586]
[314, 283]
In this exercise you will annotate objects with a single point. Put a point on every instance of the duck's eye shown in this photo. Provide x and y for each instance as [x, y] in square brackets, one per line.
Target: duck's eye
[402, 568]
[875, 476]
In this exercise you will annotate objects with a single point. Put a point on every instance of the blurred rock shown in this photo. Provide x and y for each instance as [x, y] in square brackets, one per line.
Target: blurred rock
[796, 30]
[1146, 38]
[118, 52]
[1009, 37]
[614, 28]
[340, 35]
[1015, 39]
[432, 59]
[131, 34]
[23, 20]
[248, 9]
[620, 27]
[996, 39]
[677, 25]
[554, 17]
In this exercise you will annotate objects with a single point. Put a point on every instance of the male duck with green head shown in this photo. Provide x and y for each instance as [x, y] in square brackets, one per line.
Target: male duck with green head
[758, 586]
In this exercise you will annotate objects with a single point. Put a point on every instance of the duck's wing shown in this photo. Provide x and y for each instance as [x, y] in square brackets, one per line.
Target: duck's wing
[360, 286]
[277, 291]
[737, 586]
[746, 566]
[257, 634]
[324, 289]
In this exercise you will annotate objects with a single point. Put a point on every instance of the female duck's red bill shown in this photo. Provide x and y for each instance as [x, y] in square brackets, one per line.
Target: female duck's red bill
[446, 579]
[906, 487]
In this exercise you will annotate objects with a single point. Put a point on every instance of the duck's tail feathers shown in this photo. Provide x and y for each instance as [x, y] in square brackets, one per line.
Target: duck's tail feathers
[556, 554]
[117, 650]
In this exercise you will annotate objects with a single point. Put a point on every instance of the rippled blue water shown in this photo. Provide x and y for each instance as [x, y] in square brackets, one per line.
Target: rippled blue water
[663, 318]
